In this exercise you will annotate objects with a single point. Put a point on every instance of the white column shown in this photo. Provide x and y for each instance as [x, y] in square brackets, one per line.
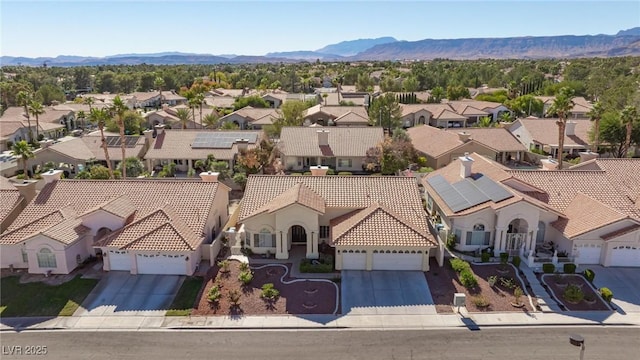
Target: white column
[499, 241]
[532, 240]
[314, 246]
[281, 246]
[308, 243]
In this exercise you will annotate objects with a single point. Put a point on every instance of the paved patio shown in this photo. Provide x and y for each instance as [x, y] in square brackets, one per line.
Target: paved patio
[624, 284]
[120, 293]
[386, 292]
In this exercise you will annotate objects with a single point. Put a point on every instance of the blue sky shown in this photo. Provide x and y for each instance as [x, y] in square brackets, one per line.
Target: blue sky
[99, 28]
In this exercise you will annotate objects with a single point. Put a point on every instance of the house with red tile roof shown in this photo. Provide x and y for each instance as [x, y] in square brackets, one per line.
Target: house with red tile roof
[373, 222]
[140, 226]
[542, 134]
[590, 212]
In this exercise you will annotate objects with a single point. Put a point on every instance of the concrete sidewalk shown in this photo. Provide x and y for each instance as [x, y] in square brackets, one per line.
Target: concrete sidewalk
[378, 322]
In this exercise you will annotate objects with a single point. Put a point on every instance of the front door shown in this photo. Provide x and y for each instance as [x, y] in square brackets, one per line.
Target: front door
[298, 235]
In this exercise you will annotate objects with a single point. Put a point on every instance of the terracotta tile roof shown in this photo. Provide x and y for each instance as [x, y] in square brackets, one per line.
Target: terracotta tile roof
[190, 199]
[253, 114]
[622, 173]
[90, 146]
[66, 231]
[481, 105]
[623, 231]
[298, 194]
[336, 111]
[220, 101]
[120, 206]
[377, 225]
[161, 230]
[343, 141]
[398, 194]
[176, 144]
[352, 118]
[585, 214]
[464, 108]
[545, 131]
[10, 197]
[436, 142]
[8, 128]
[499, 139]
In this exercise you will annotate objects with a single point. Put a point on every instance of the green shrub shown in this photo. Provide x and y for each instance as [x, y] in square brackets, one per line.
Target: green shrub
[269, 292]
[517, 294]
[569, 268]
[485, 257]
[224, 265]
[458, 265]
[492, 280]
[548, 268]
[451, 241]
[606, 294]
[331, 172]
[323, 267]
[508, 283]
[244, 266]
[573, 294]
[516, 261]
[504, 258]
[295, 174]
[214, 294]
[589, 275]
[345, 173]
[307, 173]
[234, 297]
[467, 279]
[245, 277]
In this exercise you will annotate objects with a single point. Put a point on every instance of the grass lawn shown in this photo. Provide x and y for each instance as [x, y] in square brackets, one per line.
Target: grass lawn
[38, 299]
[186, 297]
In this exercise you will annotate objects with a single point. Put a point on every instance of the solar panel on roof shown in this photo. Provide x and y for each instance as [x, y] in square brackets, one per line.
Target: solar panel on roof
[470, 192]
[494, 191]
[129, 141]
[449, 194]
[221, 140]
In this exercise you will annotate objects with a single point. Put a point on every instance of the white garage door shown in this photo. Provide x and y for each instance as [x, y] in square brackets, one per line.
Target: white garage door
[625, 256]
[119, 260]
[589, 253]
[162, 264]
[397, 261]
[354, 261]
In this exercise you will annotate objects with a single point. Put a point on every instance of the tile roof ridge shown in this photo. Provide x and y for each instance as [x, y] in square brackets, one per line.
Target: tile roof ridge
[578, 193]
[126, 226]
[158, 228]
[8, 232]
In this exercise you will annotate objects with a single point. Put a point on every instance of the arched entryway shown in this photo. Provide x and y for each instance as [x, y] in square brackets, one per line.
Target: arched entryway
[298, 235]
[516, 235]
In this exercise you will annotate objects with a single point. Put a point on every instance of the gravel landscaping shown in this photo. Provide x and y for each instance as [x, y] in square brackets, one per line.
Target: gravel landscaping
[444, 282]
[304, 297]
[557, 286]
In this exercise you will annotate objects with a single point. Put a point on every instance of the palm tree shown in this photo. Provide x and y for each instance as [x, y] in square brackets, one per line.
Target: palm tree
[184, 116]
[23, 150]
[24, 99]
[159, 83]
[595, 115]
[193, 104]
[485, 122]
[118, 109]
[561, 107]
[81, 115]
[100, 117]
[36, 109]
[210, 120]
[89, 101]
[199, 99]
[629, 117]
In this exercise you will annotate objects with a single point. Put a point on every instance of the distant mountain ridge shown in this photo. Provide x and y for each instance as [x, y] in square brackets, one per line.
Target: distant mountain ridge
[624, 43]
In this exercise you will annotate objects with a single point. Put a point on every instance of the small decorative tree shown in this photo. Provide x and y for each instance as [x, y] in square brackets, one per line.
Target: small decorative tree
[245, 277]
[224, 266]
[213, 296]
[234, 298]
[269, 292]
[517, 294]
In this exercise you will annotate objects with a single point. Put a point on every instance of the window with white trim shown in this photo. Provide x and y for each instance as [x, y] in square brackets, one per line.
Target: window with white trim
[25, 256]
[46, 258]
[324, 232]
[344, 162]
[478, 236]
[429, 203]
[264, 239]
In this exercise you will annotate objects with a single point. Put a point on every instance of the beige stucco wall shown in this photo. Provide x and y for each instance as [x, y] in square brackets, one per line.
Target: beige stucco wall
[65, 257]
[595, 237]
[12, 255]
[292, 163]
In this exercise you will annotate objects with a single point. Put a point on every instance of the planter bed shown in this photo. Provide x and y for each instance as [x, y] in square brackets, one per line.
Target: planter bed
[443, 283]
[304, 297]
[557, 290]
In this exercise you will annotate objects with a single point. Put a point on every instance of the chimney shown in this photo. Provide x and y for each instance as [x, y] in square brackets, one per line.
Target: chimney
[570, 129]
[242, 144]
[319, 170]
[159, 129]
[165, 106]
[323, 137]
[588, 155]
[27, 189]
[51, 175]
[465, 165]
[464, 136]
[148, 137]
[209, 176]
[549, 163]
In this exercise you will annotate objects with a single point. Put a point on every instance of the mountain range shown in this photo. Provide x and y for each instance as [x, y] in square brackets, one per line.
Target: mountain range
[624, 43]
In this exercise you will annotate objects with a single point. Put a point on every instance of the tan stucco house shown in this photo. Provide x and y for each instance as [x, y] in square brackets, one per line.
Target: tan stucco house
[341, 148]
[140, 226]
[374, 222]
[591, 215]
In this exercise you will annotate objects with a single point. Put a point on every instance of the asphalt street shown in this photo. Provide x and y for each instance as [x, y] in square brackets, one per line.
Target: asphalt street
[498, 343]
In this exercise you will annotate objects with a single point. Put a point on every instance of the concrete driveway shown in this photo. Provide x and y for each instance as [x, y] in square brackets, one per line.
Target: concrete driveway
[120, 293]
[385, 292]
[624, 284]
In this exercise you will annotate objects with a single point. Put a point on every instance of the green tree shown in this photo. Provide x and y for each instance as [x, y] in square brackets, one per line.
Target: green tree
[99, 172]
[158, 84]
[36, 109]
[526, 105]
[385, 111]
[89, 101]
[240, 179]
[629, 118]
[118, 109]
[106, 82]
[437, 94]
[254, 101]
[397, 153]
[134, 166]
[595, 115]
[410, 84]
[221, 167]
[210, 121]
[184, 116]
[82, 78]
[364, 83]
[613, 133]
[485, 122]
[291, 113]
[457, 92]
[25, 98]
[48, 93]
[561, 107]
[100, 118]
[81, 115]
[133, 123]
[199, 100]
[24, 151]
